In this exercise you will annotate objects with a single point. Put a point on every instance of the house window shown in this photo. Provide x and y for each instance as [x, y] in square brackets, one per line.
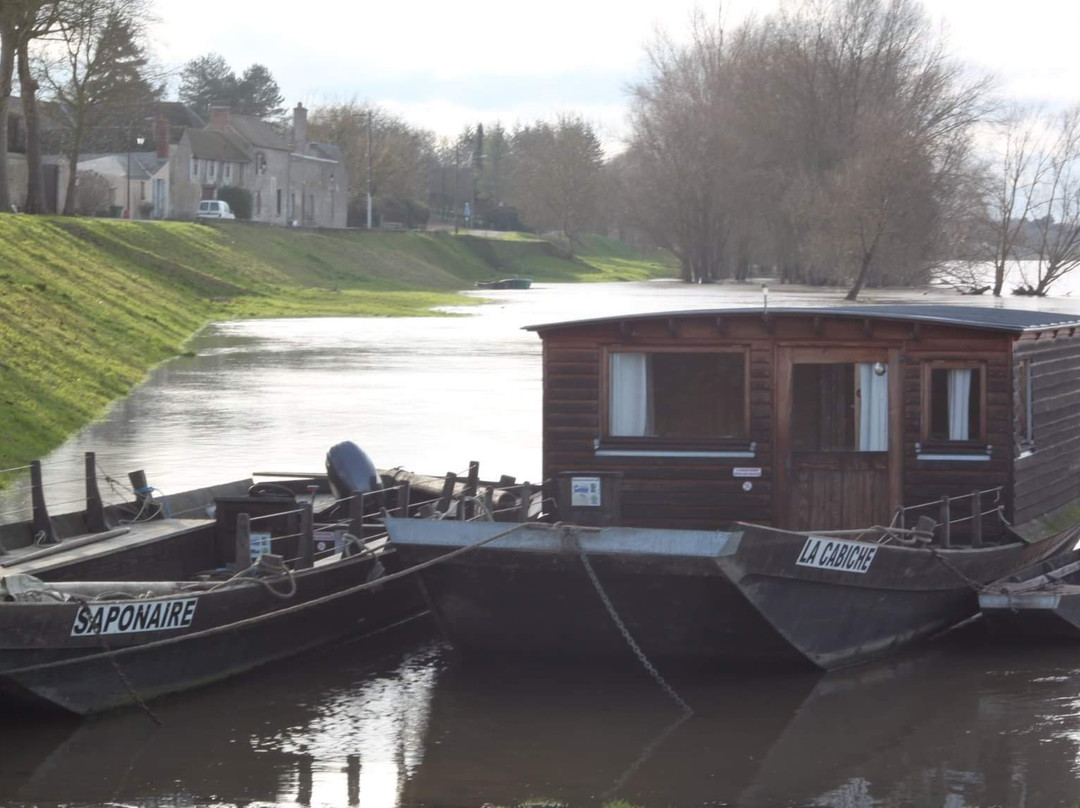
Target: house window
[678, 396]
[258, 203]
[260, 163]
[954, 403]
[228, 172]
[211, 170]
[1025, 433]
[840, 407]
[194, 173]
[278, 201]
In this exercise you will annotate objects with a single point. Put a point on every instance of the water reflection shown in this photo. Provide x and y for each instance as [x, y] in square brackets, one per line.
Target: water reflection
[344, 726]
[408, 724]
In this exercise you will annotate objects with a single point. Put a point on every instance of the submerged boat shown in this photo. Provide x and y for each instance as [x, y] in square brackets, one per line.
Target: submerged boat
[273, 581]
[783, 486]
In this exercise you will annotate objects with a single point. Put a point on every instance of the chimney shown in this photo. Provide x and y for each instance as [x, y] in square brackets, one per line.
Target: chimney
[219, 116]
[299, 128]
[161, 137]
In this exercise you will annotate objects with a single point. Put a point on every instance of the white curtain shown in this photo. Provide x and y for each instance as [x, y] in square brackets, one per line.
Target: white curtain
[959, 404]
[629, 415]
[873, 409]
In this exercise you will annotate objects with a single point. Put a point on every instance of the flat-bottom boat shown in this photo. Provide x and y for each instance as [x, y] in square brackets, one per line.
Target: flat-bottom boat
[1039, 604]
[750, 594]
[89, 647]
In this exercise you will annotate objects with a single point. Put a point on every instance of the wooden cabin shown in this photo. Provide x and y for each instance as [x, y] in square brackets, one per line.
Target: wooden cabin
[819, 418]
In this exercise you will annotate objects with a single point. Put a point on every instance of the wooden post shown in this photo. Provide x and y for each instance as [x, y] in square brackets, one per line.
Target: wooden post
[41, 522]
[139, 486]
[356, 515]
[976, 519]
[403, 499]
[470, 489]
[306, 555]
[944, 519]
[95, 512]
[243, 541]
[526, 501]
[443, 505]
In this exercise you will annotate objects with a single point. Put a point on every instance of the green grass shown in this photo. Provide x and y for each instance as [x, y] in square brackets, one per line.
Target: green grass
[87, 306]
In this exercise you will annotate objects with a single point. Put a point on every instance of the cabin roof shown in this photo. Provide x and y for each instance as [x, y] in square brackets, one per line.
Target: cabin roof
[1016, 321]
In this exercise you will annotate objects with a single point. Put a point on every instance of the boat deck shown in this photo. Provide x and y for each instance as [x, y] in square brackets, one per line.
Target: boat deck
[71, 551]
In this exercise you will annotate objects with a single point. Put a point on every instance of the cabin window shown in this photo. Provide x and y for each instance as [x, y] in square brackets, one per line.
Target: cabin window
[954, 409]
[1025, 434]
[840, 407]
[678, 395]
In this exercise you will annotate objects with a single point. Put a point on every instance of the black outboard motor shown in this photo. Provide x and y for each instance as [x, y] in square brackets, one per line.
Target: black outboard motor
[350, 470]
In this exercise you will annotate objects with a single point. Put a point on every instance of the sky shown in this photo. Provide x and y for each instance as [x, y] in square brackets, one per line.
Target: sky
[443, 66]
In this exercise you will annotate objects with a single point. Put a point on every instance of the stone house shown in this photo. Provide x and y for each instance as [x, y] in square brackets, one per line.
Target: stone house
[292, 181]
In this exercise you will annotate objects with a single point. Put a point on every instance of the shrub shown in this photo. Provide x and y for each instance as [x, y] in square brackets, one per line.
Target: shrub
[239, 200]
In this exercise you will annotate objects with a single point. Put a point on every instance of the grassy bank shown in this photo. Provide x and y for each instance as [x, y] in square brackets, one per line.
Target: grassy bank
[88, 306]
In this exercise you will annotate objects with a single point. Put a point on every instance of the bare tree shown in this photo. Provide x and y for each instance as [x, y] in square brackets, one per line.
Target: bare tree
[400, 154]
[100, 63]
[1019, 165]
[1057, 196]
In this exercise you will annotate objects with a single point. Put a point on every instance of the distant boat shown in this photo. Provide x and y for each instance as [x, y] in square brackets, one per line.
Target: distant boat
[505, 283]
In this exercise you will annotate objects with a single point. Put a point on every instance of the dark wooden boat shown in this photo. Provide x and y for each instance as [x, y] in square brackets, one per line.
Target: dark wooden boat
[505, 283]
[89, 645]
[107, 644]
[1041, 603]
[798, 485]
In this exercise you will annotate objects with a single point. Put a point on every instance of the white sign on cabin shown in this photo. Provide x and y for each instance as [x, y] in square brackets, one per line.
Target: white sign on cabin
[746, 472]
[585, 492]
[837, 554]
[133, 616]
[260, 545]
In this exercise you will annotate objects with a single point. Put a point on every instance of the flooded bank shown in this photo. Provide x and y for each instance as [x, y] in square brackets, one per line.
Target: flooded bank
[402, 721]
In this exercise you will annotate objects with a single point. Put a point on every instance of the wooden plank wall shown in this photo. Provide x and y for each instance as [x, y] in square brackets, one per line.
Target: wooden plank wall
[690, 493]
[929, 480]
[1049, 477]
[703, 493]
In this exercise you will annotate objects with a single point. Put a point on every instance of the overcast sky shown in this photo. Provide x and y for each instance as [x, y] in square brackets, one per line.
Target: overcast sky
[445, 65]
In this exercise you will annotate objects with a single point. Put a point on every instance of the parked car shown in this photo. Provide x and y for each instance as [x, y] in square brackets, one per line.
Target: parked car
[214, 209]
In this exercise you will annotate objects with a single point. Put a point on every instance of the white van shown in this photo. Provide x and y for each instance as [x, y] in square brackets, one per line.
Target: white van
[214, 209]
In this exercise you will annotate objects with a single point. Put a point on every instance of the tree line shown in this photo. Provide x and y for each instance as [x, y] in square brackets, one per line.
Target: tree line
[834, 142]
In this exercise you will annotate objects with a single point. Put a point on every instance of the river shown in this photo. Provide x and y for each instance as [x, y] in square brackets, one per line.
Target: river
[402, 722]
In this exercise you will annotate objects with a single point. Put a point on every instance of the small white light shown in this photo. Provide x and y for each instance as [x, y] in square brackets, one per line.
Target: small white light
[879, 368]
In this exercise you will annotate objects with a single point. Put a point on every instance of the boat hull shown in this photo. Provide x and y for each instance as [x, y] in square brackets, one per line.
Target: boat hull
[230, 631]
[704, 598]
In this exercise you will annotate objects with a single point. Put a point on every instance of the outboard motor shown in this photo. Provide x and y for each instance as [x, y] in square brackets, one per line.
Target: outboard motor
[350, 470]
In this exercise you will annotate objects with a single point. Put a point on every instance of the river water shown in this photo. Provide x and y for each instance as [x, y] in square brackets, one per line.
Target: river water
[401, 721]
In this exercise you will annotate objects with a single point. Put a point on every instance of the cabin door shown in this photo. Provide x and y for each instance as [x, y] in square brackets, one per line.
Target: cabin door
[838, 437]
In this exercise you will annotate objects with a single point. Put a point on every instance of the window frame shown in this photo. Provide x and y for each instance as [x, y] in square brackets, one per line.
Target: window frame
[1025, 443]
[620, 444]
[930, 365]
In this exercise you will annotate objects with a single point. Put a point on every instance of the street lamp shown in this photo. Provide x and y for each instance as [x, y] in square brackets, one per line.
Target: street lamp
[139, 140]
